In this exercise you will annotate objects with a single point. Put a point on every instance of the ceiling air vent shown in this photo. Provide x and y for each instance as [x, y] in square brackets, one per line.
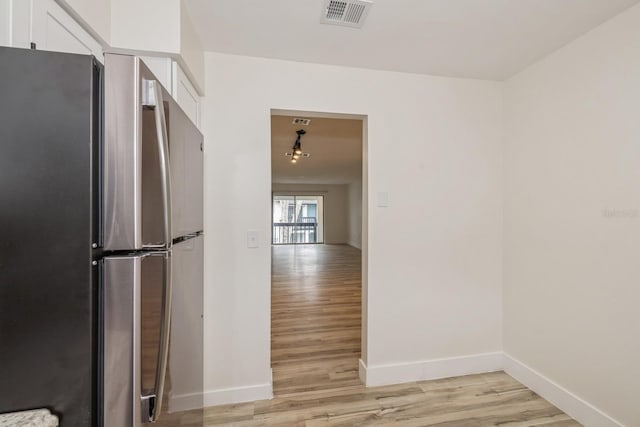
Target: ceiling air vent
[299, 121]
[349, 13]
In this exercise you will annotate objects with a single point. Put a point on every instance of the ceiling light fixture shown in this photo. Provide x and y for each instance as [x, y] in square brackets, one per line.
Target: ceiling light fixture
[296, 150]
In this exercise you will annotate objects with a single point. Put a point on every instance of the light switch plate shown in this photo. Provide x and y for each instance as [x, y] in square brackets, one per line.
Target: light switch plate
[253, 239]
[383, 199]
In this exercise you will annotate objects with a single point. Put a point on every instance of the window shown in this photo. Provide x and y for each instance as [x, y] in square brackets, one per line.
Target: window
[297, 219]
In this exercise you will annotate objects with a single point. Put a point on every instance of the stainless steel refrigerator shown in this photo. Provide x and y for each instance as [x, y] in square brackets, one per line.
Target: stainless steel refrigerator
[101, 251]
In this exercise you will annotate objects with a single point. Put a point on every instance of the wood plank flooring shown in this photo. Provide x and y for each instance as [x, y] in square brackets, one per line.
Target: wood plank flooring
[315, 350]
[315, 317]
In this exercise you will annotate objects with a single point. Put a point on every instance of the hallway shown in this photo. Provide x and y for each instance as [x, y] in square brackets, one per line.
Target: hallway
[315, 317]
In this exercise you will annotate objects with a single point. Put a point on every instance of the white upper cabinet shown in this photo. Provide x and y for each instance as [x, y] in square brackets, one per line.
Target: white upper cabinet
[15, 23]
[185, 94]
[177, 83]
[5, 23]
[47, 25]
[162, 68]
[54, 29]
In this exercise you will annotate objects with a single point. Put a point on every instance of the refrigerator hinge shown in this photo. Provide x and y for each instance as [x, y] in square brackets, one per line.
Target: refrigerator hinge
[148, 93]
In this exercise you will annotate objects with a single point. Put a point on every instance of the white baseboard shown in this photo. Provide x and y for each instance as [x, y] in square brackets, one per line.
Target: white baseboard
[377, 375]
[574, 406]
[356, 245]
[187, 402]
[239, 394]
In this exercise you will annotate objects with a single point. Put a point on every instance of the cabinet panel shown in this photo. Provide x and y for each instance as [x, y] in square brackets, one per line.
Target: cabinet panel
[185, 94]
[162, 69]
[5, 23]
[15, 23]
[54, 29]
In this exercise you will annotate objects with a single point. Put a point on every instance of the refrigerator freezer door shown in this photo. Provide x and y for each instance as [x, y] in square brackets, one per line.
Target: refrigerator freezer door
[137, 207]
[137, 307]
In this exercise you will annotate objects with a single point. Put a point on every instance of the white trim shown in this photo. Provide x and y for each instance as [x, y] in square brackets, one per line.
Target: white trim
[317, 114]
[398, 373]
[9, 21]
[572, 405]
[181, 80]
[362, 371]
[248, 393]
[430, 369]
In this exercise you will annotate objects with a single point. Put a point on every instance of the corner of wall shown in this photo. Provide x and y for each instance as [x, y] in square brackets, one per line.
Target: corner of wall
[573, 405]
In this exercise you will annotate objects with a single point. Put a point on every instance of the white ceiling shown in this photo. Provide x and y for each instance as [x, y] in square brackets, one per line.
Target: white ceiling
[335, 146]
[485, 39]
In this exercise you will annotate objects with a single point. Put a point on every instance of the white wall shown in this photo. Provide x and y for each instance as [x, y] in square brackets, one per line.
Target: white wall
[572, 219]
[146, 25]
[434, 266]
[354, 195]
[163, 27]
[336, 208]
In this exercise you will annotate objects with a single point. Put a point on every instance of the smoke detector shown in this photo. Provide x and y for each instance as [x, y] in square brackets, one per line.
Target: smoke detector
[348, 13]
[300, 121]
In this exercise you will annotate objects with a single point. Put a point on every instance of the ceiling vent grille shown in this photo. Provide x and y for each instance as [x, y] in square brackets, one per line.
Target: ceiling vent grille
[300, 121]
[349, 13]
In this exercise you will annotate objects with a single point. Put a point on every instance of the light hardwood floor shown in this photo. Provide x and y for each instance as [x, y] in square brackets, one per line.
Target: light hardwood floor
[315, 350]
[315, 317]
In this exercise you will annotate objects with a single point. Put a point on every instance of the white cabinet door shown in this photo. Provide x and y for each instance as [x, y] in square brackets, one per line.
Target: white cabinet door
[185, 94]
[5, 23]
[161, 68]
[52, 28]
[15, 23]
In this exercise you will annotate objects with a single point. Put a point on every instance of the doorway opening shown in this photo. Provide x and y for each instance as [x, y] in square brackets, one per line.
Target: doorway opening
[297, 219]
[319, 252]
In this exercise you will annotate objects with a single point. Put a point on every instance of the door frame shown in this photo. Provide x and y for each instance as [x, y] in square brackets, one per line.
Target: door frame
[364, 241]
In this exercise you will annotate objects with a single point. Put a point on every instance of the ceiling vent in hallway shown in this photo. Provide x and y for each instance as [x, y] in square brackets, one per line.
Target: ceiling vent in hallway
[349, 13]
[300, 121]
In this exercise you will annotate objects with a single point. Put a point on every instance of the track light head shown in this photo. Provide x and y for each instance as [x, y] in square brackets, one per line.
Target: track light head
[297, 146]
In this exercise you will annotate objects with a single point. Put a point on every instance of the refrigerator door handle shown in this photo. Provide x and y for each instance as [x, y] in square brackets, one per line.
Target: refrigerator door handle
[152, 95]
[154, 401]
